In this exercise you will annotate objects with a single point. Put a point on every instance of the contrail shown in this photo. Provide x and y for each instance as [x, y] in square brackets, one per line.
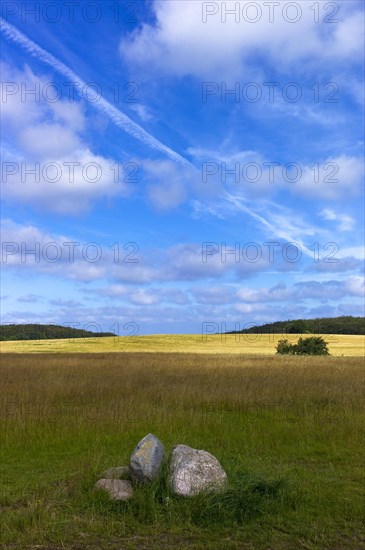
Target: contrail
[118, 117]
[279, 232]
[122, 120]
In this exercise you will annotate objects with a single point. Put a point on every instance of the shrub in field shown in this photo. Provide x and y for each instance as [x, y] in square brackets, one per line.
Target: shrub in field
[284, 348]
[314, 345]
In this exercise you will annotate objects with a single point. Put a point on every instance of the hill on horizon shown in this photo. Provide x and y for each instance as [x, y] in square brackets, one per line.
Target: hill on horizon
[45, 332]
[324, 325]
[321, 325]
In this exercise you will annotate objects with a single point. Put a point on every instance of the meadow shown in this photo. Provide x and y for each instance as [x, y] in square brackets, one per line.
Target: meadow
[258, 344]
[289, 432]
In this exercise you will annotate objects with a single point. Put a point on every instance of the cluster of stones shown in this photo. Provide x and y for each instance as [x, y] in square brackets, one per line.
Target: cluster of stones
[190, 471]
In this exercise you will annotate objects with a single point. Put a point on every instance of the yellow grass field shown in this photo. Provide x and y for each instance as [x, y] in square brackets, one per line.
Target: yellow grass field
[257, 344]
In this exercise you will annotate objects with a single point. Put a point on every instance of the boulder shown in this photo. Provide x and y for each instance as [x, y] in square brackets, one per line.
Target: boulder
[193, 472]
[120, 472]
[147, 458]
[118, 489]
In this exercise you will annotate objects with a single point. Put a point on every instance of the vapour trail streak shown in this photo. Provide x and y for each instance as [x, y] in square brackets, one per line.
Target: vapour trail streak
[272, 228]
[118, 117]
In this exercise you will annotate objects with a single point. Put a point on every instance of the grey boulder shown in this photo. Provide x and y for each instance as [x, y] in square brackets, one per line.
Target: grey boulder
[118, 489]
[147, 458]
[193, 472]
[120, 472]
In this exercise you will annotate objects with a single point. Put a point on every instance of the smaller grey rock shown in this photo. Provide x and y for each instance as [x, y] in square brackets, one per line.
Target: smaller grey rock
[147, 458]
[118, 489]
[193, 472]
[120, 472]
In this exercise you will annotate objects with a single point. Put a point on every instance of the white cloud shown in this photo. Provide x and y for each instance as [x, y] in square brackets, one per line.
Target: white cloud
[30, 298]
[179, 42]
[357, 252]
[150, 296]
[26, 247]
[277, 293]
[331, 179]
[355, 286]
[119, 118]
[221, 295]
[64, 303]
[70, 114]
[183, 262]
[345, 222]
[308, 290]
[348, 35]
[254, 176]
[167, 183]
[143, 297]
[142, 111]
[112, 291]
[55, 255]
[49, 140]
[67, 184]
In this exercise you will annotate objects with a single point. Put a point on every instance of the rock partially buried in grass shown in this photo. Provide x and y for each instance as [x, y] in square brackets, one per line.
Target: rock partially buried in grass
[120, 472]
[118, 489]
[147, 458]
[193, 472]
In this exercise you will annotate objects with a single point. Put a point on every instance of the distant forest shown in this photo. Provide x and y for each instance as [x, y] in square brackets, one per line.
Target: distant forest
[45, 332]
[325, 325]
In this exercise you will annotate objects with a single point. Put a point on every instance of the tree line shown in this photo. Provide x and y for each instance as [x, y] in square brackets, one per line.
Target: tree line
[323, 325]
[45, 332]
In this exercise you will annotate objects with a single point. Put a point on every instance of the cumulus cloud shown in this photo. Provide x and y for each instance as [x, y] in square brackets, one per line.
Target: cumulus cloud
[349, 259]
[336, 310]
[331, 179]
[27, 247]
[357, 252]
[323, 291]
[355, 286]
[194, 38]
[221, 295]
[139, 296]
[119, 118]
[139, 319]
[254, 176]
[52, 165]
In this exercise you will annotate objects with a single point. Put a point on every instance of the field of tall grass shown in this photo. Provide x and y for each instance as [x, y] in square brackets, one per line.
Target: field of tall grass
[257, 344]
[289, 432]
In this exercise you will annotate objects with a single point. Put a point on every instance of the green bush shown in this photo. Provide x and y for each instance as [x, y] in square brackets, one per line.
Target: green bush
[314, 345]
[284, 348]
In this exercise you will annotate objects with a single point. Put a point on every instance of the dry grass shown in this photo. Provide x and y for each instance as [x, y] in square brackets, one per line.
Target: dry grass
[258, 344]
[67, 417]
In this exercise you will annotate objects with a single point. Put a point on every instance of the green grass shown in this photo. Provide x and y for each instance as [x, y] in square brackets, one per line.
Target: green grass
[289, 432]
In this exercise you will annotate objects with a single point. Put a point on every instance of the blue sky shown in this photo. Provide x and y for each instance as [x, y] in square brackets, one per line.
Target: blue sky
[176, 163]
